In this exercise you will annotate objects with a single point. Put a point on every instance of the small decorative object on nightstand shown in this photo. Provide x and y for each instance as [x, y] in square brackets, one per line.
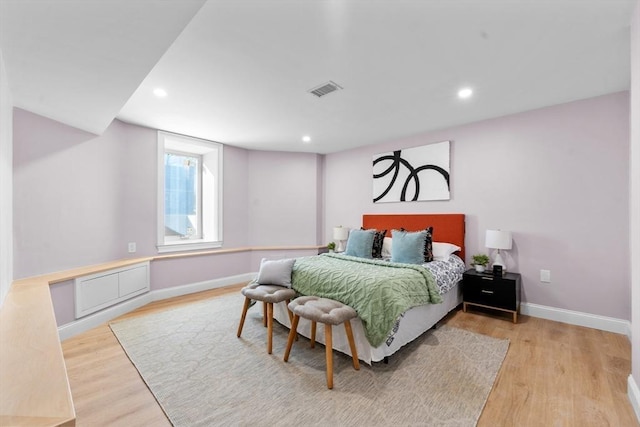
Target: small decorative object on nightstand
[489, 291]
[480, 262]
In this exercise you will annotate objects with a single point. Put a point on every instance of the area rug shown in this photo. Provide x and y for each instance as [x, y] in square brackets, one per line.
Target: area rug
[203, 375]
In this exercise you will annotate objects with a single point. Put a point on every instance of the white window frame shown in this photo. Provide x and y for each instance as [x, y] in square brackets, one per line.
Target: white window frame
[210, 197]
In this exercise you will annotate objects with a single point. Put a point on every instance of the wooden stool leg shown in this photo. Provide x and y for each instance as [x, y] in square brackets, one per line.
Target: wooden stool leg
[247, 301]
[329, 353]
[292, 334]
[289, 311]
[352, 345]
[290, 315]
[269, 327]
[264, 313]
[313, 334]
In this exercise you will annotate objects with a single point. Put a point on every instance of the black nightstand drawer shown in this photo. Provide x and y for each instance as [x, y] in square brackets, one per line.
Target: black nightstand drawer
[486, 290]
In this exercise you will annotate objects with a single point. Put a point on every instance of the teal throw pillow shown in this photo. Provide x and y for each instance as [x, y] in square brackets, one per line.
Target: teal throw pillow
[360, 243]
[408, 247]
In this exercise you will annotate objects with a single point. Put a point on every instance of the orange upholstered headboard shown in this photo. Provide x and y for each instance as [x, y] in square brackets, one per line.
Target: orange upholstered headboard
[446, 227]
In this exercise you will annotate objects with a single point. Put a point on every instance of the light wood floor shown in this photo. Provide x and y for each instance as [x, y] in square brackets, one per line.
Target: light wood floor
[553, 375]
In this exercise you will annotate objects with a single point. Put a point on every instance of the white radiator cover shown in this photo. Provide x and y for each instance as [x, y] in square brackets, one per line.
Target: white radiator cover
[102, 290]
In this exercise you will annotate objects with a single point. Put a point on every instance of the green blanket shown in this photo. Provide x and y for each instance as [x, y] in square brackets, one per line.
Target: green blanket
[378, 290]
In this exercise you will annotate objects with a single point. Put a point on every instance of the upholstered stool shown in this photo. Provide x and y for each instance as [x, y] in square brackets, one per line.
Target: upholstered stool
[330, 313]
[269, 295]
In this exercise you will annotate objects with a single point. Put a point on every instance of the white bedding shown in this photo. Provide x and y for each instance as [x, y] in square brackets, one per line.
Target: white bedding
[411, 324]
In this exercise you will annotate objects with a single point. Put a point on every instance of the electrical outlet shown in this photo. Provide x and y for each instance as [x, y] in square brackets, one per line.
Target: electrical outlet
[545, 276]
[132, 247]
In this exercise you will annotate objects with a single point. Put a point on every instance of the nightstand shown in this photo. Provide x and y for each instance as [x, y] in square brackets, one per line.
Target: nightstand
[489, 291]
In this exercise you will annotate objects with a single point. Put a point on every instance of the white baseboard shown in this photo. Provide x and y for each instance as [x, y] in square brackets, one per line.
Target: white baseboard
[69, 330]
[191, 288]
[594, 321]
[634, 395]
[93, 320]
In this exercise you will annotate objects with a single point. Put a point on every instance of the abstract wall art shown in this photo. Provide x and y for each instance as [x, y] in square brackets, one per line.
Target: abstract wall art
[412, 174]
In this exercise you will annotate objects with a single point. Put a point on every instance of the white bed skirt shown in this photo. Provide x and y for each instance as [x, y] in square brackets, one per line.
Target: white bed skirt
[415, 322]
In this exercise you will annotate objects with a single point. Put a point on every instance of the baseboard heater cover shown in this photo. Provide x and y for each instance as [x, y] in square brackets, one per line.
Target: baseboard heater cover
[101, 290]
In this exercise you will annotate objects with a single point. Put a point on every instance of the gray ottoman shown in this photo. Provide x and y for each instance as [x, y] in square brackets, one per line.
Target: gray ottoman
[330, 313]
[269, 295]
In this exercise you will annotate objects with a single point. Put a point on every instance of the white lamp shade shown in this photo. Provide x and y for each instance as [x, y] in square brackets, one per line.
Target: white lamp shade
[340, 233]
[498, 239]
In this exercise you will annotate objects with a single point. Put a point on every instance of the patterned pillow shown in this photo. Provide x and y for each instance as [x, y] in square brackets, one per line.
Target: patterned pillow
[378, 240]
[428, 244]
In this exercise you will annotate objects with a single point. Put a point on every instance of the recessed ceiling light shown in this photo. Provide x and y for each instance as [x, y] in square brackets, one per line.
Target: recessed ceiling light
[159, 92]
[465, 93]
[306, 138]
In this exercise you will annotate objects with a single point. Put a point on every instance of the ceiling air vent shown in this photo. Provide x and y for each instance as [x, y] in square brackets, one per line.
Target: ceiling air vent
[325, 89]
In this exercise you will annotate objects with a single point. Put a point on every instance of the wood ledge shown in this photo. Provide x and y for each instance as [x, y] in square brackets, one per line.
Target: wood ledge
[35, 388]
[62, 276]
[36, 421]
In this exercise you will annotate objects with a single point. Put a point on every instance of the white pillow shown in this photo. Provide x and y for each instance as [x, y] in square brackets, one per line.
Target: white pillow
[386, 247]
[275, 272]
[442, 251]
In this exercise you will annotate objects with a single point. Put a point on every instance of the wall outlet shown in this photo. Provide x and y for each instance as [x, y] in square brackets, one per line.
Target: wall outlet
[545, 276]
[132, 247]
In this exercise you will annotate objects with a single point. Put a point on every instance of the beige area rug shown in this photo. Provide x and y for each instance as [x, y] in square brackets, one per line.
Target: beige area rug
[203, 375]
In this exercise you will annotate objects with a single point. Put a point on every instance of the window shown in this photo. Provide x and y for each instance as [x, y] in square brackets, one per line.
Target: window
[182, 196]
[189, 193]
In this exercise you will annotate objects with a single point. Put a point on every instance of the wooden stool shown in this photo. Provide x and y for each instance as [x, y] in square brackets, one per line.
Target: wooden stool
[330, 313]
[269, 295]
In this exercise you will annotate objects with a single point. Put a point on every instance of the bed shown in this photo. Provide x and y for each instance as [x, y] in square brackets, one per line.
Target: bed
[413, 322]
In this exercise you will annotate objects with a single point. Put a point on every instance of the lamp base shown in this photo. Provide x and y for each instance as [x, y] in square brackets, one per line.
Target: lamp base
[340, 247]
[499, 261]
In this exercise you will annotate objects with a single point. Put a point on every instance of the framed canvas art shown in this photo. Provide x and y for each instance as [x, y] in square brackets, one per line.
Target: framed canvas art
[412, 174]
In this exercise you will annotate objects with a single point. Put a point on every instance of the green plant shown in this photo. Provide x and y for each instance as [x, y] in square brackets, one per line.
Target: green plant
[331, 246]
[480, 259]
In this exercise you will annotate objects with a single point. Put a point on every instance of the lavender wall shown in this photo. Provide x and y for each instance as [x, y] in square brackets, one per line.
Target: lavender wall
[235, 202]
[6, 184]
[80, 198]
[635, 196]
[258, 255]
[556, 177]
[136, 190]
[62, 295]
[283, 198]
[66, 200]
[183, 271]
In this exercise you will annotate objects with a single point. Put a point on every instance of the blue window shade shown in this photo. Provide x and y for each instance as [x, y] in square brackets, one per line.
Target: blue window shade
[180, 190]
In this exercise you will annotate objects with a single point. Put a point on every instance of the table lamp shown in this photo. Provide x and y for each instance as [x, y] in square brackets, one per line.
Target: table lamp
[498, 239]
[340, 234]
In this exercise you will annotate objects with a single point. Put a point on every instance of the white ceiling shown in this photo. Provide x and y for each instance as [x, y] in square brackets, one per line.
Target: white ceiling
[238, 71]
[79, 61]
